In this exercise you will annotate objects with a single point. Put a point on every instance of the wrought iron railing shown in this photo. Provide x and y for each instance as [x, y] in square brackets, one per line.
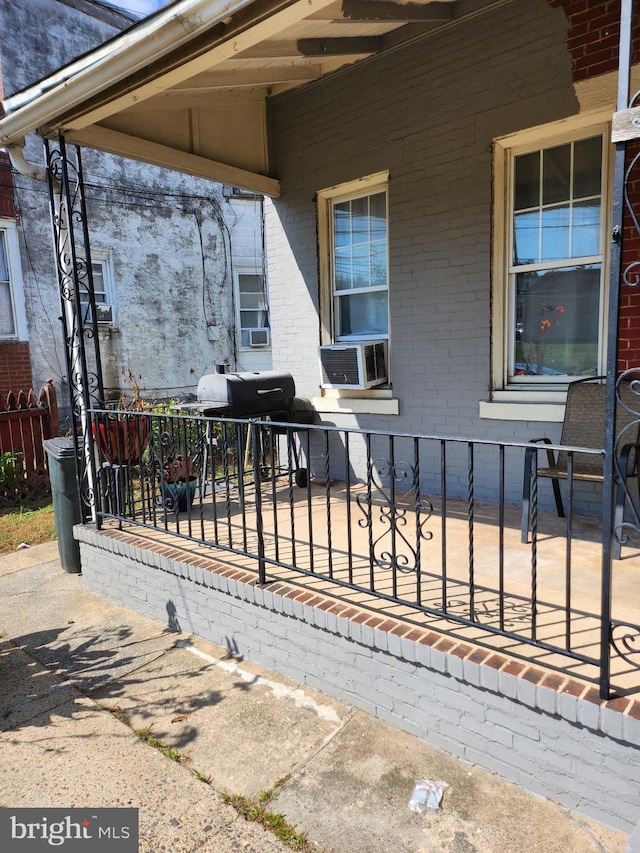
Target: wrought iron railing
[427, 526]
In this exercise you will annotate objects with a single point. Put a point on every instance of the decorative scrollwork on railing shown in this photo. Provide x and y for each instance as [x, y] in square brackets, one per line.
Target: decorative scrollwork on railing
[625, 457]
[393, 548]
[625, 641]
[631, 273]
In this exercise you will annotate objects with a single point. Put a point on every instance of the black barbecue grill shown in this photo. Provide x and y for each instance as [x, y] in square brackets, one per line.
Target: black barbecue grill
[264, 394]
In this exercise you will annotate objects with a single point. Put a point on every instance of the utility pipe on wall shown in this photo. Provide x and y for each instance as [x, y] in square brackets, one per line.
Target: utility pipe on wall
[22, 165]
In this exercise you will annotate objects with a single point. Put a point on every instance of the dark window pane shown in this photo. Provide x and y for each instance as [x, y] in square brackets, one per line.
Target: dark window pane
[364, 314]
[379, 216]
[248, 283]
[587, 166]
[557, 322]
[556, 174]
[527, 181]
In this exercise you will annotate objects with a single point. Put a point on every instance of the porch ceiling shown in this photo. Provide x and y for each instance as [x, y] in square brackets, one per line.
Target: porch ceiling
[187, 88]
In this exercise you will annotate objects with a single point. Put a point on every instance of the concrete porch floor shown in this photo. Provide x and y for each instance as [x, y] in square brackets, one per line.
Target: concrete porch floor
[326, 533]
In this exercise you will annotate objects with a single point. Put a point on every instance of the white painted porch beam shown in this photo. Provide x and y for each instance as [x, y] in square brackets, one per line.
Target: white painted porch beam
[114, 142]
[232, 45]
[238, 78]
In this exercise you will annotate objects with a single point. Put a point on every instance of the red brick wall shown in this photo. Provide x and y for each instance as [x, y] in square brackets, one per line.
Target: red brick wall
[593, 31]
[629, 325]
[7, 208]
[15, 367]
[593, 34]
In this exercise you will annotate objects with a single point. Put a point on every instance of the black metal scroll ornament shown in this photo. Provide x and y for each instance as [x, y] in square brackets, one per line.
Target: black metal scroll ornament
[397, 505]
[625, 641]
[626, 455]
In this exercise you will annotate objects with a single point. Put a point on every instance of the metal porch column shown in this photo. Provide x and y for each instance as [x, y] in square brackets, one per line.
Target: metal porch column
[77, 300]
[617, 637]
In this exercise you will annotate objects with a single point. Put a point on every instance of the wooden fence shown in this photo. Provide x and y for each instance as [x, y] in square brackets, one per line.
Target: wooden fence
[25, 422]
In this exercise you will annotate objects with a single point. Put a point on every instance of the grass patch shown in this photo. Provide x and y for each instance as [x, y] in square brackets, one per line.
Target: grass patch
[24, 524]
[201, 777]
[168, 751]
[116, 711]
[255, 811]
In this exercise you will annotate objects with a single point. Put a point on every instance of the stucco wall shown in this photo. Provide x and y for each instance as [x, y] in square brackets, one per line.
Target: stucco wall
[427, 113]
[171, 238]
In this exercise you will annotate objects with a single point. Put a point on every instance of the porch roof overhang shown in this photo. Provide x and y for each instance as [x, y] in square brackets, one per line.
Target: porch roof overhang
[187, 88]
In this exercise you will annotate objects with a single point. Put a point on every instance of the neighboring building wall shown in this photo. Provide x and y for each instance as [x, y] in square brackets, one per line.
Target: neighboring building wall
[436, 141]
[164, 237]
[15, 362]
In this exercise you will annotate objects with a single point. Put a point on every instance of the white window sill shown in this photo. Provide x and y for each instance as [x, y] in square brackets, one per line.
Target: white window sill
[106, 330]
[357, 405]
[551, 412]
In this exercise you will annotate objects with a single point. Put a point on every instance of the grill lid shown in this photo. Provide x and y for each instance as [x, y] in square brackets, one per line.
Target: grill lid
[260, 391]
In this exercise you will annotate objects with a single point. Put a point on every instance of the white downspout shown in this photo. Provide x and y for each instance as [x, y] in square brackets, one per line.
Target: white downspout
[22, 165]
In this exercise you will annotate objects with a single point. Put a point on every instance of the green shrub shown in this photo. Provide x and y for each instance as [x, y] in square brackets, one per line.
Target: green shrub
[11, 473]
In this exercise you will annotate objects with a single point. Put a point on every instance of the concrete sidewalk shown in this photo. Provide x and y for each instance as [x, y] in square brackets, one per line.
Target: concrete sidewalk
[79, 676]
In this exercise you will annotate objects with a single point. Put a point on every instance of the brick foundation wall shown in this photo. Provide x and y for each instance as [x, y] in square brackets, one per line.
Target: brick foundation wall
[546, 732]
[15, 367]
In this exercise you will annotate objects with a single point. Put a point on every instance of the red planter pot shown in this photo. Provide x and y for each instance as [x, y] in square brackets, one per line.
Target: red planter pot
[178, 470]
[122, 442]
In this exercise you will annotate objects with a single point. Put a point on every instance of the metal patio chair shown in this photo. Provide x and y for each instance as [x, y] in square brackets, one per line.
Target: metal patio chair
[583, 426]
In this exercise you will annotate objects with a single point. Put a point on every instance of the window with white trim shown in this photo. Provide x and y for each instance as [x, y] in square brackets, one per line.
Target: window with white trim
[550, 287]
[252, 309]
[13, 324]
[357, 260]
[103, 289]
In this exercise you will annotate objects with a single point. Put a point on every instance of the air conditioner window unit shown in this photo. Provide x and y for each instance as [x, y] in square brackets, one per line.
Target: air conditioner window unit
[358, 365]
[259, 337]
[104, 313]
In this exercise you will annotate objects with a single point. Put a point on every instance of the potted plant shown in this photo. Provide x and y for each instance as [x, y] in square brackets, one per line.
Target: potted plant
[122, 436]
[176, 456]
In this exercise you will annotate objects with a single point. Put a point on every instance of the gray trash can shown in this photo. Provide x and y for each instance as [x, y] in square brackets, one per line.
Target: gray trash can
[66, 501]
